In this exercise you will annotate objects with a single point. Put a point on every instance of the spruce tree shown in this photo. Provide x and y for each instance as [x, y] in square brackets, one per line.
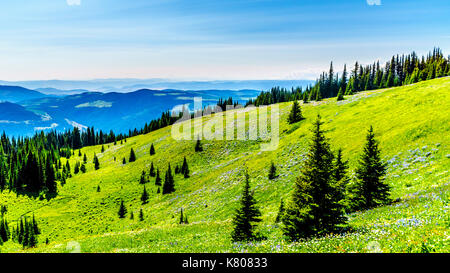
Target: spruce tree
[143, 179]
[313, 209]
[272, 171]
[370, 189]
[152, 150]
[158, 179]
[132, 156]
[141, 215]
[198, 146]
[144, 197]
[122, 210]
[96, 163]
[124, 161]
[169, 183]
[85, 158]
[185, 168]
[246, 216]
[152, 170]
[340, 95]
[296, 113]
[83, 168]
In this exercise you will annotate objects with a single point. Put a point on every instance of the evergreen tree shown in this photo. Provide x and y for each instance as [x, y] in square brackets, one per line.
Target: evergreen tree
[272, 171]
[169, 182]
[124, 161]
[96, 163]
[296, 113]
[370, 189]
[152, 170]
[198, 146]
[76, 169]
[185, 168]
[340, 95]
[313, 208]
[158, 179]
[181, 217]
[246, 215]
[143, 179]
[144, 197]
[132, 156]
[83, 168]
[85, 158]
[152, 150]
[141, 215]
[122, 210]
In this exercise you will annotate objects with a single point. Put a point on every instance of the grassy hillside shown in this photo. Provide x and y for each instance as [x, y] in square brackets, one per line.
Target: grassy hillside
[411, 123]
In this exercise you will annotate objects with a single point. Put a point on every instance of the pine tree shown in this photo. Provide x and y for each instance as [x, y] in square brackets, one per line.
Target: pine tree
[85, 158]
[98, 188]
[132, 156]
[185, 168]
[198, 146]
[181, 217]
[169, 183]
[144, 197]
[122, 210]
[124, 161]
[296, 113]
[272, 171]
[340, 95]
[96, 163]
[141, 215]
[83, 168]
[76, 169]
[371, 190]
[103, 149]
[246, 215]
[158, 179]
[313, 208]
[143, 179]
[152, 150]
[152, 170]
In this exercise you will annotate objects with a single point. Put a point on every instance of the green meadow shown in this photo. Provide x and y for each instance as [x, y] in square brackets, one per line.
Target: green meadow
[412, 125]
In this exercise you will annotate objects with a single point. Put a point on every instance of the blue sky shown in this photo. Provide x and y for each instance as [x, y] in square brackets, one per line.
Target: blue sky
[208, 39]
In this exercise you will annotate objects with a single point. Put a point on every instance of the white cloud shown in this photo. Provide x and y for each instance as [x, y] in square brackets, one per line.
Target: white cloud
[369, 2]
[73, 2]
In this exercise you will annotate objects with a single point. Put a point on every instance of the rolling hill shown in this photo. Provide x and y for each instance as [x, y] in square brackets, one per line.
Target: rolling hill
[106, 111]
[410, 122]
[17, 93]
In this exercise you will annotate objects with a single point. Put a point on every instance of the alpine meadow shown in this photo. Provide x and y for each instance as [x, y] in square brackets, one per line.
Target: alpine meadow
[217, 136]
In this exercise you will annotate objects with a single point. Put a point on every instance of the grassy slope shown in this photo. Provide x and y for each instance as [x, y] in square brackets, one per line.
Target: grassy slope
[411, 123]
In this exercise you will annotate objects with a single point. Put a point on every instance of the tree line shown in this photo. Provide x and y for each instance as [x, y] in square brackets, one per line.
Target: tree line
[400, 70]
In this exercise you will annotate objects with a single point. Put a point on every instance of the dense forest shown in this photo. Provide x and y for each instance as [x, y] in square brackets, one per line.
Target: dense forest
[400, 70]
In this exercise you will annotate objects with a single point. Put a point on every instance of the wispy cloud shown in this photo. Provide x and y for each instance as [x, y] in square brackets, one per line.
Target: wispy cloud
[374, 2]
[73, 2]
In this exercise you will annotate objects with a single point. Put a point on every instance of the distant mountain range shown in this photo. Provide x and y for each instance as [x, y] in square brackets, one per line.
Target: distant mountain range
[28, 111]
[57, 87]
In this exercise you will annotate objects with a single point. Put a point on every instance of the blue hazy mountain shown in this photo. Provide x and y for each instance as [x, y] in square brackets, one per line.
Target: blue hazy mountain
[107, 111]
[128, 85]
[18, 93]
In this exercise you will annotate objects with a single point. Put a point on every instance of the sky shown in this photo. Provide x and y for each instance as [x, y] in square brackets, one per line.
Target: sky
[210, 39]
